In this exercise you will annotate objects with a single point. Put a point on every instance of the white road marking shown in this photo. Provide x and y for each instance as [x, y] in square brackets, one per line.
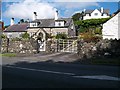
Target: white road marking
[39, 70]
[101, 77]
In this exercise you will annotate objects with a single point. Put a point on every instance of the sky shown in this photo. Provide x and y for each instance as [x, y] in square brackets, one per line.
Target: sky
[23, 9]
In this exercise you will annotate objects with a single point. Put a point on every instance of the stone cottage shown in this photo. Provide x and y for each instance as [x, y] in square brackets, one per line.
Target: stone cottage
[51, 26]
[40, 28]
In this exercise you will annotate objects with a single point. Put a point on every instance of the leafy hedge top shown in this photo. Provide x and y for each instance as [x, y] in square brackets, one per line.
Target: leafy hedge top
[91, 22]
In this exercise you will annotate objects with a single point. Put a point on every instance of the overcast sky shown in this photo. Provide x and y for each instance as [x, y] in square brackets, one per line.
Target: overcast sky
[23, 9]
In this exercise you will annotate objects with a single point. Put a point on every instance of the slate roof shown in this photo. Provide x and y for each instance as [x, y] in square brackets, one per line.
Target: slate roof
[90, 11]
[17, 28]
[47, 23]
[44, 23]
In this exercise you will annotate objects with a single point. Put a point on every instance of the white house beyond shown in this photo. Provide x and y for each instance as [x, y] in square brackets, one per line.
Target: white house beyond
[95, 14]
[111, 28]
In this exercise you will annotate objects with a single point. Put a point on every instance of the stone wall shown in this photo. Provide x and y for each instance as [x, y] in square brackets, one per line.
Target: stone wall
[19, 46]
[100, 49]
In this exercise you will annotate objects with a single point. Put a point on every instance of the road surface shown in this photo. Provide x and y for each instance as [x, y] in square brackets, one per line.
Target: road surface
[59, 75]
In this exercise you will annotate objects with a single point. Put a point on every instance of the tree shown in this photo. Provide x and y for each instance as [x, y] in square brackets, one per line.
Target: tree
[6, 26]
[3, 36]
[21, 21]
[25, 35]
[90, 24]
[61, 36]
[77, 16]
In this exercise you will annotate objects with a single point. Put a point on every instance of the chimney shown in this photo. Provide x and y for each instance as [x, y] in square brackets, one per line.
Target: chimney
[84, 10]
[12, 21]
[56, 15]
[28, 20]
[102, 9]
[34, 15]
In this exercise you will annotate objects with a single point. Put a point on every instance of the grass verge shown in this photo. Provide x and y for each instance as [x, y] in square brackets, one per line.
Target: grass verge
[106, 61]
[8, 54]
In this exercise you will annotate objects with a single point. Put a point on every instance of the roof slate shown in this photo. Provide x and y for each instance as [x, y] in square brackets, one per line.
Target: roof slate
[51, 22]
[17, 28]
[44, 23]
[90, 11]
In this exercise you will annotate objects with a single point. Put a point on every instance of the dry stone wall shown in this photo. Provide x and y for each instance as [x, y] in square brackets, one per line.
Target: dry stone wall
[99, 49]
[18, 46]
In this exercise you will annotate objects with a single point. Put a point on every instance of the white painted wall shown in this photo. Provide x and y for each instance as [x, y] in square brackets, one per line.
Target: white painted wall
[56, 31]
[93, 16]
[110, 28]
[53, 31]
[13, 34]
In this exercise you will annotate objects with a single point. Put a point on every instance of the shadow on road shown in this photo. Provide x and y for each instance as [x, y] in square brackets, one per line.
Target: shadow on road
[54, 75]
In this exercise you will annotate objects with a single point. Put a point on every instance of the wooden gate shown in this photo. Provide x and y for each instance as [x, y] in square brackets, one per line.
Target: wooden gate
[63, 45]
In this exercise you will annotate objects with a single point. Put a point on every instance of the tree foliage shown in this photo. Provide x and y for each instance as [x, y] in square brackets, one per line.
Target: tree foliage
[25, 35]
[77, 16]
[90, 24]
[6, 26]
[2, 36]
[61, 36]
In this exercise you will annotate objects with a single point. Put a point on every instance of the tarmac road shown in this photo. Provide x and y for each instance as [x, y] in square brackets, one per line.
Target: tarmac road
[59, 75]
[38, 71]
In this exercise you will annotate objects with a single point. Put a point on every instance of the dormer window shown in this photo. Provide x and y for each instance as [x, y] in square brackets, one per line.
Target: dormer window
[87, 14]
[96, 14]
[33, 24]
[59, 24]
[38, 23]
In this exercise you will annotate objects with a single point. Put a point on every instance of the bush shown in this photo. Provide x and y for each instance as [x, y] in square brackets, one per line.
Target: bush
[2, 36]
[16, 39]
[98, 30]
[61, 36]
[90, 37]
[25, 35]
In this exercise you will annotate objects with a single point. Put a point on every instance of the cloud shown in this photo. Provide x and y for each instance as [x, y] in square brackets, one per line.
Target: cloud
[45, 8]
[65, 0]
[26, 8]
[72, 7]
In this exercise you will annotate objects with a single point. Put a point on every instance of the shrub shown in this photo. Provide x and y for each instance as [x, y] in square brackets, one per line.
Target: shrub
[2, 36]
[61, 36]
[25, 35]
[89, 37]
[98, 31]
[16, 39]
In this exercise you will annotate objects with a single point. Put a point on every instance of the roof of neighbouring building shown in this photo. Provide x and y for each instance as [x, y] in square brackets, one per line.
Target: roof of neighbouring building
[17, 28]
[90, 11]
[51, 22]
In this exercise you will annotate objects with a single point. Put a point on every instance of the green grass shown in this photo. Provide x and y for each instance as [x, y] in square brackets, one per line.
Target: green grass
[106, 61]
[112, 61]
[8, 54]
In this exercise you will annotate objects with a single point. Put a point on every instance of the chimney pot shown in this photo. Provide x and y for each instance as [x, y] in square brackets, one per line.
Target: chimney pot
[102, 9]
[12, 21]
[34, 15]
[56, 14]
[84, 10]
